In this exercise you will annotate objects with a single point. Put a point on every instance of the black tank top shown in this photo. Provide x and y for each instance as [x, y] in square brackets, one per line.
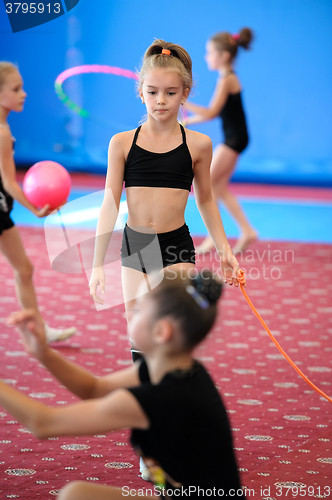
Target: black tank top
[172, 169]
[232, 115]
[6, 201]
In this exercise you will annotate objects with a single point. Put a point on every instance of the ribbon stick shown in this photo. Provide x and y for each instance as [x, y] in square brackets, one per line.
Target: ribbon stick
[242, 281]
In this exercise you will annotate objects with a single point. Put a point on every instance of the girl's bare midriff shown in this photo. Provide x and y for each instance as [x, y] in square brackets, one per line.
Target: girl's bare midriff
[160, 209]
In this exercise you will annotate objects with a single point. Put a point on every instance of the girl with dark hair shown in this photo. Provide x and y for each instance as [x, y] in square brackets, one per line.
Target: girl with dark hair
[221, 51]
[179, 423]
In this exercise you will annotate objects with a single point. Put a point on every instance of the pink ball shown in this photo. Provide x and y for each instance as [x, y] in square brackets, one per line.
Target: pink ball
[47, 183]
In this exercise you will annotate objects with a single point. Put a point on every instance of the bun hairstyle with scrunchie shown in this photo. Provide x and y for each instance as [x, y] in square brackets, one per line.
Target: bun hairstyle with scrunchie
[192, 302]
[231, 42]
[157, 56]
[207, 288]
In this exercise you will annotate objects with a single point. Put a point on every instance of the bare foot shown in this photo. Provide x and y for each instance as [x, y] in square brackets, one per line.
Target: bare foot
[207, 245]
[244, 241]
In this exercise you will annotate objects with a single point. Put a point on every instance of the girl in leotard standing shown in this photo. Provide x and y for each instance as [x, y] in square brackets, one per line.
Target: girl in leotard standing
[12, 97]
[158, 162]
[221, 51]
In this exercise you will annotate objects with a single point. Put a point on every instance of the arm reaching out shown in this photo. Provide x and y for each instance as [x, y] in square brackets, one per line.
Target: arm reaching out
[113, 411]
[116, 411]
[79, 381]
[8, 175]
[202, 113]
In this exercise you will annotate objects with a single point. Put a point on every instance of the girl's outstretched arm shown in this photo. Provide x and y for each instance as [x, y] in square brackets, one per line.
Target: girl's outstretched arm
[8, 175]
[210, 212]
[116, 411]
[202, 113]
[79, 381]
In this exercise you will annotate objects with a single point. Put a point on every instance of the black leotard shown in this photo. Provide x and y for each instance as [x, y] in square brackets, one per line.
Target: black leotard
[189, 441]
[234, 123]
[6, 201]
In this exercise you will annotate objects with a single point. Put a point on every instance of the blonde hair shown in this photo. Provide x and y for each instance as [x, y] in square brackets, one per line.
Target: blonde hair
[179, 59]
[230, 43]
[6, 68]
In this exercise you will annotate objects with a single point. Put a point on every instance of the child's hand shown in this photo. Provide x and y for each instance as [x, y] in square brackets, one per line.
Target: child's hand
[97, 278]
[31, 327]
[62, 204]
[230, 269]
[43, 212]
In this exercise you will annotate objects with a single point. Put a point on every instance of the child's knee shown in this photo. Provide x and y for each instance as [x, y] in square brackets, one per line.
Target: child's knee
[72, 491]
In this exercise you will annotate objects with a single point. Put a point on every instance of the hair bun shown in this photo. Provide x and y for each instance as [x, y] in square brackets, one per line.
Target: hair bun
[245, 38]
[207, 286]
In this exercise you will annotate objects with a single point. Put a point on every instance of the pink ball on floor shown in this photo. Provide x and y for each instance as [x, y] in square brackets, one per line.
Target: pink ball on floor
[47, 183]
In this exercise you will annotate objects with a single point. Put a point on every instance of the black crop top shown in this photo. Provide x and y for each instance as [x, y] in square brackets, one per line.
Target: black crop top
[172, 169]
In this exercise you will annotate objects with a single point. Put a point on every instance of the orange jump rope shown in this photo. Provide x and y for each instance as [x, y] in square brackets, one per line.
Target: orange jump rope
[242, 281]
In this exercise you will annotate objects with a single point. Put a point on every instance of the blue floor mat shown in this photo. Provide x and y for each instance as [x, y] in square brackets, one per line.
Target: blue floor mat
[275, 219]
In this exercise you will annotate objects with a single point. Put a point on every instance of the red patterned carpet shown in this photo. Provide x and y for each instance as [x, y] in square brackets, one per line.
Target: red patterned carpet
[282, 428]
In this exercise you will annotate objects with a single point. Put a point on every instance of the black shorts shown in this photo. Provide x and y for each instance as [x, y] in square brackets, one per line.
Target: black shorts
[151, 252]
[238, 142]
[5, 221]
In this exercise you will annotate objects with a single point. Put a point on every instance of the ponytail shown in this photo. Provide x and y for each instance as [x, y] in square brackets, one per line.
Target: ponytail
[230, 43]
[166, 55]
[245, 38]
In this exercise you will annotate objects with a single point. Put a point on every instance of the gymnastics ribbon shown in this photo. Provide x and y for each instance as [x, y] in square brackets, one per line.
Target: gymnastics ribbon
[242, 280]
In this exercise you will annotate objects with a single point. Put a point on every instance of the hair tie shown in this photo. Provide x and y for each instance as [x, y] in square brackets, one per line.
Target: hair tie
[236, 36]
[166, 52]
[198, 298]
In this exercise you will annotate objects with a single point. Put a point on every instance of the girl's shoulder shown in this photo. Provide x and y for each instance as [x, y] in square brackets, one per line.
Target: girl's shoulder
[200, 145]
[123, 137]
[230, 83]
[5, 133]
[198, 139]
[6, 139]
[121, 143]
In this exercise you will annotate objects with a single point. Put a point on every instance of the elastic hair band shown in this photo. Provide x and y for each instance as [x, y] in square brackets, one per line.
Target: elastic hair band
[203, 303]
[166, 52]
[236, 36]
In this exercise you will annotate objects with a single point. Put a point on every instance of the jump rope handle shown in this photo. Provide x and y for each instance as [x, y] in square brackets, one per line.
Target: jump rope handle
[242, 280]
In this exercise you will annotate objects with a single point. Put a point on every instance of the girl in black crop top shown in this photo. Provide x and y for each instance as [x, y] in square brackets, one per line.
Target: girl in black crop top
[226, 103]
[158, 163]
[178, 421]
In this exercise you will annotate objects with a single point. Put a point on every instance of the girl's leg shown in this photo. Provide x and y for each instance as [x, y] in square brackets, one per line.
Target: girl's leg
[131, 283]
[183, 268]
[81, 490]
[222, 166]
[131, 286]
[12, 248]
